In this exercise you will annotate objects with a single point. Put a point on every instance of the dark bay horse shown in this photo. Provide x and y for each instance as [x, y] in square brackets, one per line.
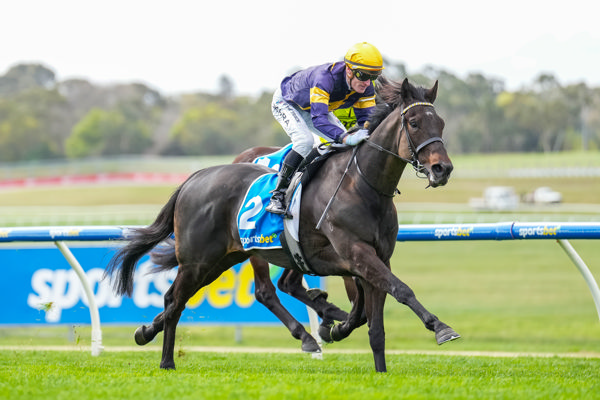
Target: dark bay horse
[357, 237]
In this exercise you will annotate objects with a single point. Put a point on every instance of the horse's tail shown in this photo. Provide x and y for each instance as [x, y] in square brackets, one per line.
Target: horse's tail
[164, 256]
[142, 241]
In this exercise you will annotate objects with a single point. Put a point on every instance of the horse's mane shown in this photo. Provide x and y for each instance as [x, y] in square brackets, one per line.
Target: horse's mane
[388, 97]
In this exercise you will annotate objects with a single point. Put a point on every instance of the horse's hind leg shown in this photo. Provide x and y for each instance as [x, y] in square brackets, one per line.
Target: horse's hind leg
[146, 333]
[187, 282]
[265, 293]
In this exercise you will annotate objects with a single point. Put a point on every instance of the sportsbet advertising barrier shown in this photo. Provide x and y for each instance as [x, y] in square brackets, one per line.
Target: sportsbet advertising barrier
[41, 285]
[44, 285]
[55, 294]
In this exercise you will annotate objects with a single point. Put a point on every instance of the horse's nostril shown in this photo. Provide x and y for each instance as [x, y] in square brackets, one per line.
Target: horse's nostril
[442, 169]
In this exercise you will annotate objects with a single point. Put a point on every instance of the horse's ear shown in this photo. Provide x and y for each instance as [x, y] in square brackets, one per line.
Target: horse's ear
[431, 94]
[405, 90]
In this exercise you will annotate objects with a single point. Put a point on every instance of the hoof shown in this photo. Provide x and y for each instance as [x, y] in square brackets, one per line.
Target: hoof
[446, 335]
[325, 333]
[167, 365]
[139, 336]
[310, 345]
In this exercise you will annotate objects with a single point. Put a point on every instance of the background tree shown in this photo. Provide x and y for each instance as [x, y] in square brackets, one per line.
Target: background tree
[21, 134]
[203, 131]
[40, 117]
[591, 121]
[540, 116]
[23, 77]
[105, 133]
[31, 123]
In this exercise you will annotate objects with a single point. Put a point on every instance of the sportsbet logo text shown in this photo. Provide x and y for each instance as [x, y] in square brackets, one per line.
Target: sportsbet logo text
[454, 231]
[258, 239]
[60, 289]
[539, 231]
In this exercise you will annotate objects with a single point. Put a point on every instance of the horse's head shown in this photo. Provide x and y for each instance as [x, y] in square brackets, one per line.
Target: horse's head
[417, 128]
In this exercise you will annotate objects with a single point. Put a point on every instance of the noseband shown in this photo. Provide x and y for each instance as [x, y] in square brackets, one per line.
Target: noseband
[414, 150]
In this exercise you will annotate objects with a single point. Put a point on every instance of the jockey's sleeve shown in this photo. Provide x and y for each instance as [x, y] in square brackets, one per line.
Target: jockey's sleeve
[363, 108]
[319, 111]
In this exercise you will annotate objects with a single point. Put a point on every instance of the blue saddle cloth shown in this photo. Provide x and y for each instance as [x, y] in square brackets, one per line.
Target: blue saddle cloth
[274, 160]
[257, 227]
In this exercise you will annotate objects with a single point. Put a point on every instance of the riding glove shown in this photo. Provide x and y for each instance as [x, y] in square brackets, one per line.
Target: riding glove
[357, 137]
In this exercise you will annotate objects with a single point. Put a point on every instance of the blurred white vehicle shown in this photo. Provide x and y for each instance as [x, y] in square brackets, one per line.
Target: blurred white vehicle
[496, 198]
[544, 195]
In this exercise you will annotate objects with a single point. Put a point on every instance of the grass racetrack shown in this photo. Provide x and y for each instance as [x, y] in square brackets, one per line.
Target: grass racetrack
[529, 326]
[68, 375]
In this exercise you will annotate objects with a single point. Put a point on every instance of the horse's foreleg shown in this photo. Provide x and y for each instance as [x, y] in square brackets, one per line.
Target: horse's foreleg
[443, 333]
[374, 302]
[374, 271]
[265, 293]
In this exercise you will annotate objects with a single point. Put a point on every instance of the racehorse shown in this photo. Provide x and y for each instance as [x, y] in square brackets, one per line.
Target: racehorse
[357, 237]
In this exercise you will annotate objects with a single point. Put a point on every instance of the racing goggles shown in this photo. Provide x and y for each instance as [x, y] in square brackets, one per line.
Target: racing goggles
[364, 76]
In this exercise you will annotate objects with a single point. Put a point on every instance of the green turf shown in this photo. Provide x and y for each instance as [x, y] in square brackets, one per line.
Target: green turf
[75, 375]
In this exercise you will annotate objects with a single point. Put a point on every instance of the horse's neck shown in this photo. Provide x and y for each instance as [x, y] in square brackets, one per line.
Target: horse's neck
[383, 170]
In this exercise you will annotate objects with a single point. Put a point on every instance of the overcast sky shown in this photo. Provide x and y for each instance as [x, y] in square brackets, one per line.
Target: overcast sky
[180, 46]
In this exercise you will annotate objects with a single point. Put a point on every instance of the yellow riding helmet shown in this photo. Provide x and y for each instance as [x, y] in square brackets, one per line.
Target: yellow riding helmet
[364, 56]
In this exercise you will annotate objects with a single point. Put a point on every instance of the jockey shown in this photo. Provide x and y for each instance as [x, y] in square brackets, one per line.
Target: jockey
[304, 104]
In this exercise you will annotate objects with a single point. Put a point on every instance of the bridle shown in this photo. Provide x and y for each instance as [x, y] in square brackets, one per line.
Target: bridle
[419, 168]
[414, 161]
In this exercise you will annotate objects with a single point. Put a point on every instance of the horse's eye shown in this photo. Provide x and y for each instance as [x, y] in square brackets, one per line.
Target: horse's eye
[413, 124]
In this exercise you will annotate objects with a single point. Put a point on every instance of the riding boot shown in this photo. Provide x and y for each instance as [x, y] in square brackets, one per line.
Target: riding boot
[284, 177]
